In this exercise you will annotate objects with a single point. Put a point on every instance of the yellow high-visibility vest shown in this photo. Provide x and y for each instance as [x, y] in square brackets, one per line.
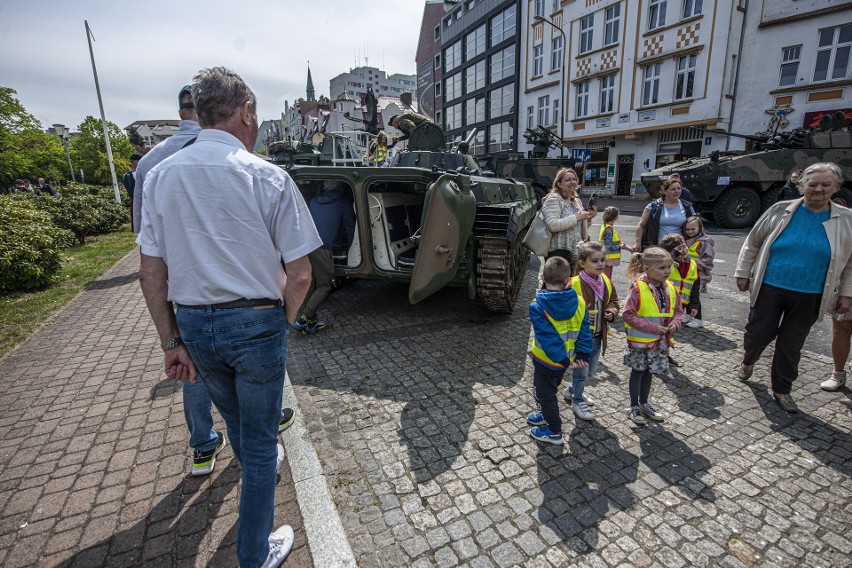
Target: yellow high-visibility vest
[684, 285]
[575, 283]
[568, 330]
[381, 154]
[693, 251]
[611, 255]
[650, 311]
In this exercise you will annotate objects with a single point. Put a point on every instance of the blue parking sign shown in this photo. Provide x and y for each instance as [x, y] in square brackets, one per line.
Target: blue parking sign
[582, 155]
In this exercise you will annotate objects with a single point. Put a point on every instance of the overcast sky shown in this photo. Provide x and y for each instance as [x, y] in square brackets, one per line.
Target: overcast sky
[147, 49]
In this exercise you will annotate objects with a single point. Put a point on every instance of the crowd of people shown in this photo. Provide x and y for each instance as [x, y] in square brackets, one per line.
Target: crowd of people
[796, 263]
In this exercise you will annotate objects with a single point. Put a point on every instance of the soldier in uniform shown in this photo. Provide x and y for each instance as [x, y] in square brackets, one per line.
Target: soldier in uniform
[406, 123]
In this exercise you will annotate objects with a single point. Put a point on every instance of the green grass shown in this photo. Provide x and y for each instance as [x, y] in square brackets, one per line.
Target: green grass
[22, 312]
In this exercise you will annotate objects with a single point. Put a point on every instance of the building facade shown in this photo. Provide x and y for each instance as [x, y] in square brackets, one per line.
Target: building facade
[795, 67]
[642, 79]
[154, 131]
[428, 49]
[355, 83]
[479, 79]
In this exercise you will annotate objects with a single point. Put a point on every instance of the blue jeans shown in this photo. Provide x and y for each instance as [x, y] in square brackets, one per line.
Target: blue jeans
[240, 354]
[579, 376]
[198, 412]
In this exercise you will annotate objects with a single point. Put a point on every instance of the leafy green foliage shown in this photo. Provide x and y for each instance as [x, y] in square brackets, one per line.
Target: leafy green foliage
[30, 245]
[25, 150]
[88, 151]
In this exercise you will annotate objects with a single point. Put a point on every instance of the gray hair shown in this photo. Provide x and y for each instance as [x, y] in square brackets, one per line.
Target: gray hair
[219, 93]
[829, 167]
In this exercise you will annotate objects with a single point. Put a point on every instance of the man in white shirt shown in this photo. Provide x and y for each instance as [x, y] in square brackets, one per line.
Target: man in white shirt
[216, 223]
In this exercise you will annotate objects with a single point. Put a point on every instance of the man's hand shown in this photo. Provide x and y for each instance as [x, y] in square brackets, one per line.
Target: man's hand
[693, 312]
[179, 365]
[742, 284]
[843, 305]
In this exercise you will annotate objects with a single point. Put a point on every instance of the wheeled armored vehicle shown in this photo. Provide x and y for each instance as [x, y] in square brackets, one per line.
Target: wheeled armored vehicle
[734, 188]
[427, 221]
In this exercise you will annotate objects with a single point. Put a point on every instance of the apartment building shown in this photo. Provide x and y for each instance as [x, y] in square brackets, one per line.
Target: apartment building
[355, 83]
[642, 78]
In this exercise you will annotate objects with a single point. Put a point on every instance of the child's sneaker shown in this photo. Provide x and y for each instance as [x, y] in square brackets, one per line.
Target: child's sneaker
[695, 323]
[544, 434]
[314, 326]
[649, 411]
[581, 410]
[636, 416]
[301, 324]
[536, 419]
[685, 319]
[569, 397]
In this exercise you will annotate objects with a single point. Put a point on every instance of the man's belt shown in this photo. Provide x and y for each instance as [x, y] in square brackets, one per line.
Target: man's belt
[241, 303]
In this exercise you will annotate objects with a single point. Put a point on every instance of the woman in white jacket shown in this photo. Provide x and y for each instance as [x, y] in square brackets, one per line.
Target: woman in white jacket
[797, 257]
[565, 217]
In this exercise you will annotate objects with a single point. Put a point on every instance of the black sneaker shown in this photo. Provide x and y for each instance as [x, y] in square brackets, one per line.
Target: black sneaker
[287, 416]
[672, 362]
[314, 326]
[649, 411]
[635, 415]
[204, 462]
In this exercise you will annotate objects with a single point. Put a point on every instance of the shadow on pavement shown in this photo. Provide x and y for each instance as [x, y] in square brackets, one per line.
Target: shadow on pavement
[113, 282]
[165, 389]
[820, 439]
[172, 533]
[672, 459]
[692, 398]
[706, 340]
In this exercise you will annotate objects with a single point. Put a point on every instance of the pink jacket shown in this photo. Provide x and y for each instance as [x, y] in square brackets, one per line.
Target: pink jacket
[632, 303]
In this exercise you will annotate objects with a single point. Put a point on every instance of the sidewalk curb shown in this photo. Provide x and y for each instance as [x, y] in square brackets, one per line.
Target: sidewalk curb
[326, 537]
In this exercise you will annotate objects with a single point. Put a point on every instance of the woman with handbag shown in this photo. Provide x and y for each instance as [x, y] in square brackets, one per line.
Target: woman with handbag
[565, 217]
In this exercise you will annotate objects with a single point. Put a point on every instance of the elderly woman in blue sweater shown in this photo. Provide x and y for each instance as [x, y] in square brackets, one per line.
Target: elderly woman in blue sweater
[797, 257]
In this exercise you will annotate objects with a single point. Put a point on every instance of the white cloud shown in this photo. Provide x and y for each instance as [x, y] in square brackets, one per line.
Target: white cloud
[145, 51]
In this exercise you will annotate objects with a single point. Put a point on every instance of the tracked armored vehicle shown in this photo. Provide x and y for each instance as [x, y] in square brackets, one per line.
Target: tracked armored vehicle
[734, 188]
[427, 221]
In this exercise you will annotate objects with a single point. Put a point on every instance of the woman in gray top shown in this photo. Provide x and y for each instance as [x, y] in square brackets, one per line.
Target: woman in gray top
[565, 216]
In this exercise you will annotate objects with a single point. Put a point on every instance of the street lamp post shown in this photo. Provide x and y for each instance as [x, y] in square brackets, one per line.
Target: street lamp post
[561, 84]
[62, 132]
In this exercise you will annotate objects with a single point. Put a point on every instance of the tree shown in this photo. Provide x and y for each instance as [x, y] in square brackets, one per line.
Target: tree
[25, 150]
[135, 138]
[88, 151]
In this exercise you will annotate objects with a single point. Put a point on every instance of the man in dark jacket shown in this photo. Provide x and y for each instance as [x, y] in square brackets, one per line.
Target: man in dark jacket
[45, 187]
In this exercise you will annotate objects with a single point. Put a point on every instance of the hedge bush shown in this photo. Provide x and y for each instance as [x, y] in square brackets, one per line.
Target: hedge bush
[84, 214]
[30, 245]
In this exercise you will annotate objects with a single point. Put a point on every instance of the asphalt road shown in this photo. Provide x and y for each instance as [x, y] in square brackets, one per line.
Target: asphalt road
[723, 304]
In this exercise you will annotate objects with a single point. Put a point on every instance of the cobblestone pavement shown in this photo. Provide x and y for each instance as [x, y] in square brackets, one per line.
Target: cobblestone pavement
[93, 448]
[418, 416]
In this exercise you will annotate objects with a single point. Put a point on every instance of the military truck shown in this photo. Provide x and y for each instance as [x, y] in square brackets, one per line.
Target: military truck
[734, 188]
[425, 220]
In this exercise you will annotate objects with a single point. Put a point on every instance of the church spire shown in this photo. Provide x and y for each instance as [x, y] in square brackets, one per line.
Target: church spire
[309, 90]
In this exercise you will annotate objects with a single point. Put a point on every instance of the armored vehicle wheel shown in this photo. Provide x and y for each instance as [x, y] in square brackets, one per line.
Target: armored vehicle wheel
[500, 270]
[843, 197]
[769, 198]
[739, 207]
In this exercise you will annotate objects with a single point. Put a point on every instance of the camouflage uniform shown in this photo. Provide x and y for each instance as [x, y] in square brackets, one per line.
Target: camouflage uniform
[408, 122]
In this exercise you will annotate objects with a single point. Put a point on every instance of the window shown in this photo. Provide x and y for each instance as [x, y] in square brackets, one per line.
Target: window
[556, 116]
[607, 94]
[582, 99]
[502, 101]
[437, 89]
[833, 53]
[539, 8]
[477, 146]
[475, 110]
[691, 8]
[789, 65]
[438, 116]
[453, 56]
[651, 84]
[500, 137]
[657, 14]
[685, 80]
[474, 77]
[437, 33]
[586, 33]
[538, 60]
[556, 54]
[503, 26]
[530, 116]
[613, 21]
[556, 5]
[453, 115]
[475, 42]
[503, 64]
[544, 110]
[453, 87]
[438, 61]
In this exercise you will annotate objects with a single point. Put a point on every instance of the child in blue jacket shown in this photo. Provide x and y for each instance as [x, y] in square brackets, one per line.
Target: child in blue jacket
[562, 340]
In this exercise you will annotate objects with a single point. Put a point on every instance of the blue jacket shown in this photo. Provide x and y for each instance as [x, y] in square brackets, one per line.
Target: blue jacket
[330, 210]
[129, 183]
[561, 305]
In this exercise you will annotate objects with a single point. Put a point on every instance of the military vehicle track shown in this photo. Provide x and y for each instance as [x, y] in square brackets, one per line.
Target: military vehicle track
[500, 270]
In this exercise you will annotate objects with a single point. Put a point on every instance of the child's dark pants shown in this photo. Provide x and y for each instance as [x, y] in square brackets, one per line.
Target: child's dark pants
[546, 383]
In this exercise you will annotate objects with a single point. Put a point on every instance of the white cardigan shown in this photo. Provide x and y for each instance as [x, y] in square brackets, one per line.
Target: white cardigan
[754, 254]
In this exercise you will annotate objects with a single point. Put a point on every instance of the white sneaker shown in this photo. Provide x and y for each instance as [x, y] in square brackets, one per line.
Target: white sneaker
[280, 458]
[836, 382]
[686, 318]
[569, 397]
[581, 410]
[280, 544]
[695, 323]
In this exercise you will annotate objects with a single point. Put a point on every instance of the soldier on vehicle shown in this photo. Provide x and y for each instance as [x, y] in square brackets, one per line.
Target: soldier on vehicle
[406, 123]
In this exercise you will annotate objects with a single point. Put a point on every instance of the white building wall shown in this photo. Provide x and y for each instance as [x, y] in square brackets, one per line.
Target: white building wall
[357, 80]
[764, 100]
[638, 128]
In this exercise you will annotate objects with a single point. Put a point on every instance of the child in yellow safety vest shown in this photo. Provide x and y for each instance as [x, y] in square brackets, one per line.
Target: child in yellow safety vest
[652, 313]
[700, 246]
[686, 276]
[602, 306]
[561, 341]
[611, 242]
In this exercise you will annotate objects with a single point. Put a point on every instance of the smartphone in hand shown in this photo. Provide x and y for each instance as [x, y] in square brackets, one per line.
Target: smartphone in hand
[593, 201]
